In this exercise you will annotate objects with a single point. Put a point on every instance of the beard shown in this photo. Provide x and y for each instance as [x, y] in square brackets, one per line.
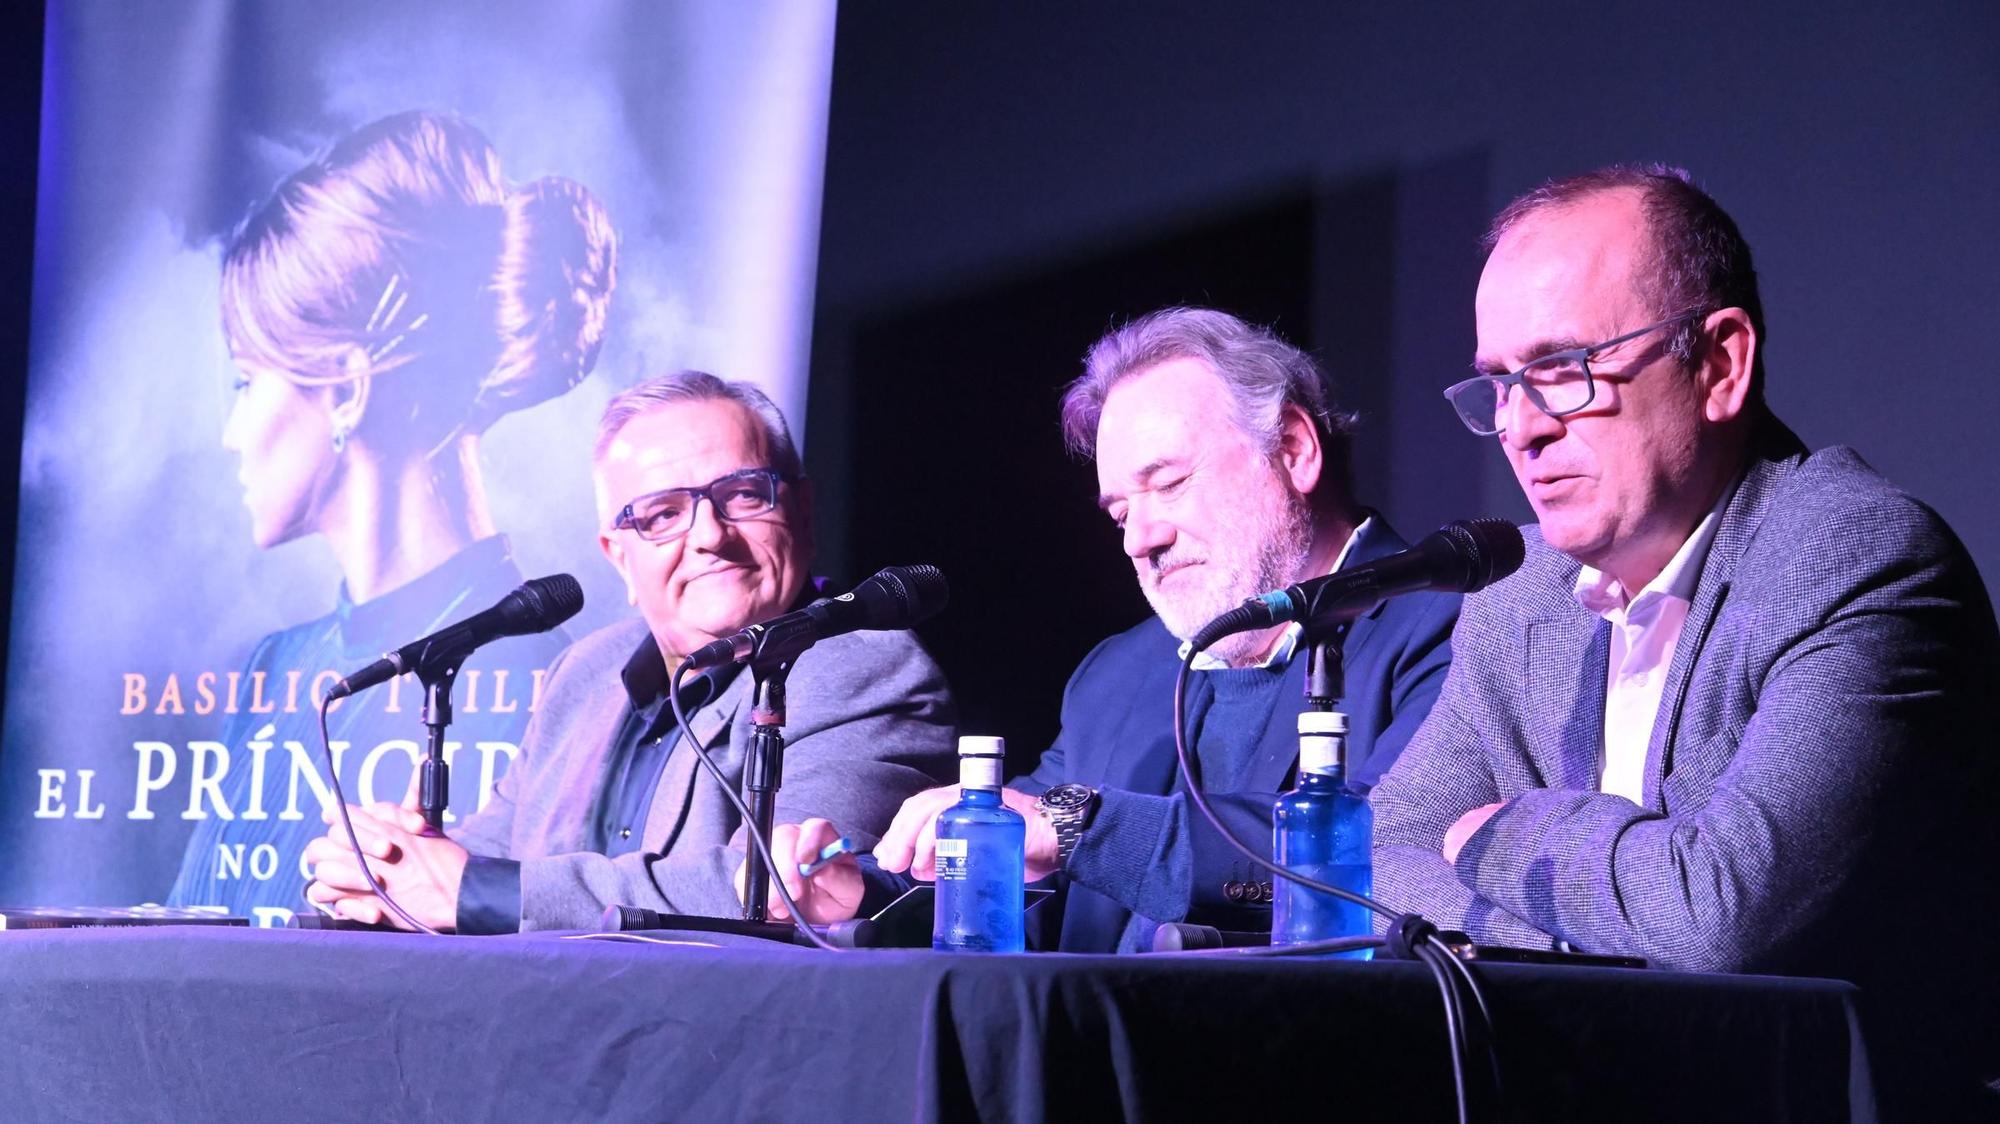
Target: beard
[1258, 549]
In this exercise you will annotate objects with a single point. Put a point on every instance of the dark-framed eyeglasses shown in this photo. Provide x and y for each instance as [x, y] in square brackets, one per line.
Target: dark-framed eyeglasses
[1557, 384]
[660, 516]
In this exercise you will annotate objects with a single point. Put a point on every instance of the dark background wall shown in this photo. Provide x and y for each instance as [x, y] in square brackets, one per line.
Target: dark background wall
[1006, 181]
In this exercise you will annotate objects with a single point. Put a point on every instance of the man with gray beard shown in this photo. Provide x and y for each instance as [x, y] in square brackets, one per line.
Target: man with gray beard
[1221, 459]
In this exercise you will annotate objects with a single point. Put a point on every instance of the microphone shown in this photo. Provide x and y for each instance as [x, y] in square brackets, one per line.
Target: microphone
[538, 605]
[896, 597]
[1461, 557]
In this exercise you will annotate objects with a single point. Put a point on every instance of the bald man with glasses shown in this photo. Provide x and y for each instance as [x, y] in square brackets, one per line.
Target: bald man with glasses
[1729, 715]
[708, 520]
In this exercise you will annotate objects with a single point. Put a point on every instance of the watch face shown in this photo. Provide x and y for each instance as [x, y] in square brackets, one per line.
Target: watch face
[1067, 797]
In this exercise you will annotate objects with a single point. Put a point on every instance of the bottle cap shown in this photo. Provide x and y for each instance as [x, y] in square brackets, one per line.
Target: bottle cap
[981, 745]
[1316, 722]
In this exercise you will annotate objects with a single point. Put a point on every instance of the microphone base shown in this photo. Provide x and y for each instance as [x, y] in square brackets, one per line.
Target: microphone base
[1182, 936]
[312, 919]
[857, 933]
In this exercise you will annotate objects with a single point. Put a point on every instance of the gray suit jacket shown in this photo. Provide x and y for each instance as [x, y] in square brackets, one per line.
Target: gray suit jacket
[1820, 777]
[869, 722]
[1820, 789]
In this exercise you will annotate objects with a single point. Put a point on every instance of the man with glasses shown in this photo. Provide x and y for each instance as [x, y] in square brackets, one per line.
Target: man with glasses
[707, 518]
[1726, 716]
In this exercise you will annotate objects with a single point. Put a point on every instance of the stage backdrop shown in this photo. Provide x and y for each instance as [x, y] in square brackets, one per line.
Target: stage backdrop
[327, 300]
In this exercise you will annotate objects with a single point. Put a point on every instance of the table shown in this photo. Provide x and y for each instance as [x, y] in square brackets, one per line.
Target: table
[199, 1024]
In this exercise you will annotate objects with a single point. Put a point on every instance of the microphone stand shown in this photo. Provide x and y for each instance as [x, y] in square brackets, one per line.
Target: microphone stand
[1325, 686]
[763, 773]
[433, 782]
[434, 785]
[1326, 671]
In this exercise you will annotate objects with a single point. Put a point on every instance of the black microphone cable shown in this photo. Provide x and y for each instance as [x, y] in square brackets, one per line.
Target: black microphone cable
[749, 823]
[680, 716]
[1407, 932]
[347, 822]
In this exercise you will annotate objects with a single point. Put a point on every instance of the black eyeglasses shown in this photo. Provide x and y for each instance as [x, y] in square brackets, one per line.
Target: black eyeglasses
[1557, 384]
[664, 515]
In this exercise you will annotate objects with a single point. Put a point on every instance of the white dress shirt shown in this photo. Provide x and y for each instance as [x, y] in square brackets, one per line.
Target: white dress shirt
[1644, 630]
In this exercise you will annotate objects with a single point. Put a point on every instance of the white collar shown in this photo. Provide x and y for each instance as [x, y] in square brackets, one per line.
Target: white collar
[1601, 594]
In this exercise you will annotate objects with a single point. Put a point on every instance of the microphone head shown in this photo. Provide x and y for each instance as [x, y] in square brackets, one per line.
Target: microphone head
[543, 603]
[902, 596]
[1483, 551]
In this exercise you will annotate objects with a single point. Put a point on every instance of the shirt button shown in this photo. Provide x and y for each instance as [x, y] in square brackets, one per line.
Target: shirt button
[624, 833]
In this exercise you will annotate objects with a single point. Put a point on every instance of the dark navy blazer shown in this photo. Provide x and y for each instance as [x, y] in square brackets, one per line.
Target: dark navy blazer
[1147, 849]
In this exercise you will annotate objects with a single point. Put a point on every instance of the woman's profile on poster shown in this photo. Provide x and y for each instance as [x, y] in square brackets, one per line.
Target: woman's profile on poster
[387, 303]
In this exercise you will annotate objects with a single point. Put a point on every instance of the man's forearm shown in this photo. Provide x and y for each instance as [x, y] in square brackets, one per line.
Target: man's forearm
[1158, 856]
[1415, 880]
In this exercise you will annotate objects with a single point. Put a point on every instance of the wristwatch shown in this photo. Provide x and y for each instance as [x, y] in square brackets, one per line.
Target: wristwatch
[1068, 808]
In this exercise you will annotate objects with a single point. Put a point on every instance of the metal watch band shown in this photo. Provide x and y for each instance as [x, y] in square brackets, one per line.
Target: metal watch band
[1068, 821]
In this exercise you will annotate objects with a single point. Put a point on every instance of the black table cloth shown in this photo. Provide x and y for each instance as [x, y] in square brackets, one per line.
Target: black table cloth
[199, 1024]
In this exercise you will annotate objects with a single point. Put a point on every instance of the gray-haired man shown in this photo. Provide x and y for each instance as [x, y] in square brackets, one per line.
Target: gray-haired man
[1220, 458]
[707, 518]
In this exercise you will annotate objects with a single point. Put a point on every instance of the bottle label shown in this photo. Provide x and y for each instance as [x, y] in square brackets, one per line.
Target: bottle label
[951, 860]
[1321, 753]
[979, 772]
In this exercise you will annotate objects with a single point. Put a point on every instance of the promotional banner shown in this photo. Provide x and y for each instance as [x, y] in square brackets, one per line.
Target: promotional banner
[327, 301]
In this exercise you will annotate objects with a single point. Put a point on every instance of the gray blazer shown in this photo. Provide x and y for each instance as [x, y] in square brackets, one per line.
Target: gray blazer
[869, 722]
[1820, 782]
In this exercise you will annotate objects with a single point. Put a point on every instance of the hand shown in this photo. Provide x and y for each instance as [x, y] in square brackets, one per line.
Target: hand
[834, 894]
[337, 888]
[911, 841]
[1454, 839]
[421, 871]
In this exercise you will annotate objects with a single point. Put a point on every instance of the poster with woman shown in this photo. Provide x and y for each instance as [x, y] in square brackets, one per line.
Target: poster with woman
[327, 300]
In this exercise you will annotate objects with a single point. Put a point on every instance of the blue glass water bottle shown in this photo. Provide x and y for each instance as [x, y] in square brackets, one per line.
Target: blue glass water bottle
[1324, 830]
[980, 843]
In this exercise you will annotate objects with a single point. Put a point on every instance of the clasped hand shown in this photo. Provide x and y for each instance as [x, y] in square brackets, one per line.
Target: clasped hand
[420, 870]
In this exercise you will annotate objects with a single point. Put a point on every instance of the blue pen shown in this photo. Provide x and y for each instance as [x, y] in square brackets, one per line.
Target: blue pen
[828, 853]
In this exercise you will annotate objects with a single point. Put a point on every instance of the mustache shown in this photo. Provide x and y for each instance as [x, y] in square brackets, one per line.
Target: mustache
[1158, 563]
